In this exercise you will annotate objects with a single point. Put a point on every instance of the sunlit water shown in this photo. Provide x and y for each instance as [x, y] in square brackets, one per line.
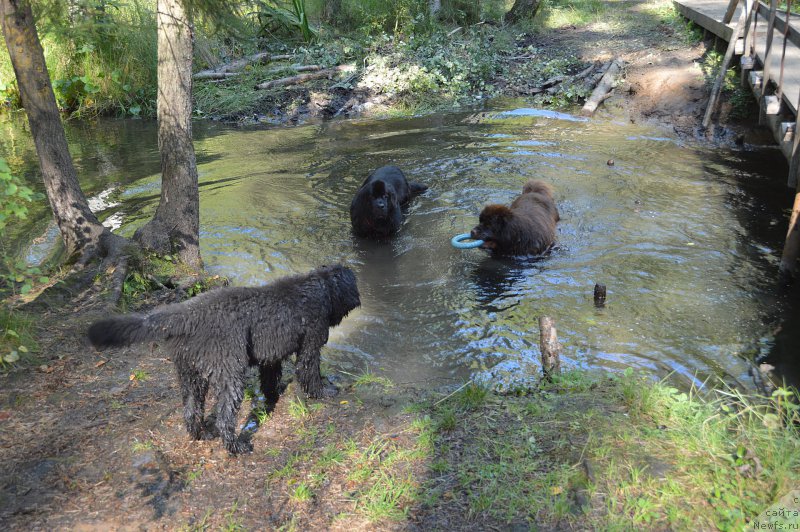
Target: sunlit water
[687, 239]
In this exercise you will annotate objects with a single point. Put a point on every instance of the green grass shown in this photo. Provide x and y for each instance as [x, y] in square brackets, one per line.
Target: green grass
[139, 375]
[302, 493]
[299, 409]
[141, 446]
[561, 13]
[660, 457]
[585, 451]
[368, 378]
[17, 342]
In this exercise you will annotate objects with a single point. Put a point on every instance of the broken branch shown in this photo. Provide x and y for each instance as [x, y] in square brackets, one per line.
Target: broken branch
[302, 78]
[603, 88]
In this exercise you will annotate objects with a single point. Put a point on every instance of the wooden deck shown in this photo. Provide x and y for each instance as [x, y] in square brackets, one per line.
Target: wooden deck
[780, 114]
[708, 14]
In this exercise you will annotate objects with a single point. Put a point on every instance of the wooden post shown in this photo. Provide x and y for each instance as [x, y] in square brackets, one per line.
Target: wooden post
[717, 88]
[550, 347]
[730, 11]
[791, 249]
[794, 162]
[762, 107]
[599, 295]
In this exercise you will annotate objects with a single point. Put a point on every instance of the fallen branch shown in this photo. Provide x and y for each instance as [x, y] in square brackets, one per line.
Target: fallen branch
[572, 79]
[302, 78]
[602, 89]
[297, 68]
[209, 74]
[239, 64]
[591, 81]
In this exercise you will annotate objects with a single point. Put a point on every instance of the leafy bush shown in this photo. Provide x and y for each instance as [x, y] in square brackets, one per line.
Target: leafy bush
[15, 274]
[290, 20]
[14, 197]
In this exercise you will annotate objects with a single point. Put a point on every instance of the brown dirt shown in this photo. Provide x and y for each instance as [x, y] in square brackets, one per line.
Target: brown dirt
[86, 446]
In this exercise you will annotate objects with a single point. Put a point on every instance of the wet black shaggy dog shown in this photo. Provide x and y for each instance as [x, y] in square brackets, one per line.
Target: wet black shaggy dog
[216, 336]
[527, 227]
[376, 210]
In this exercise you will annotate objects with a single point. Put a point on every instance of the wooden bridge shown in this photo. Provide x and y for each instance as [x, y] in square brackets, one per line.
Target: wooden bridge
[767, 41]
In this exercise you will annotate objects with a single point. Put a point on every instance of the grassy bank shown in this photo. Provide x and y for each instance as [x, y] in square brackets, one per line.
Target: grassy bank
[614, 452]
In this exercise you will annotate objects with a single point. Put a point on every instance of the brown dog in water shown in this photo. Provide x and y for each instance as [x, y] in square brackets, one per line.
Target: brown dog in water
[527, 227]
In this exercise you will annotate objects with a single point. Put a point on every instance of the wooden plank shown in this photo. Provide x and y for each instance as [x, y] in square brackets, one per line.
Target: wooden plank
[717, 88]
[780, 23]
[704, 18]
[732, 5]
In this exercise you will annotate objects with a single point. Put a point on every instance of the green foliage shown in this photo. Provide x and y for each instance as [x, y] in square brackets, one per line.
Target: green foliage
[149, 272]
[438, 70]
[139, 375]
[15, 273]
[740, 98]
[370, 17]
[274, 17]
[101, 55]
[302, 493]
[17, 341]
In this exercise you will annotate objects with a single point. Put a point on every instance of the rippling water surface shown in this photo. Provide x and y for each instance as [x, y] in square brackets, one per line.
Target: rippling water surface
[686, 239]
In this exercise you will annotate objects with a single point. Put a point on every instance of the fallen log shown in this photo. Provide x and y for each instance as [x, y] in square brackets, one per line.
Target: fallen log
[594, 79]
[603, 89]
[302, 78]
[239, 64]
[549, 347]
[297, 68]
[208, 74]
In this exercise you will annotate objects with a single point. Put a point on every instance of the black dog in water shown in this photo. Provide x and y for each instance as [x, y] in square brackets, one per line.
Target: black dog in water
[216, 336]
[376, 211]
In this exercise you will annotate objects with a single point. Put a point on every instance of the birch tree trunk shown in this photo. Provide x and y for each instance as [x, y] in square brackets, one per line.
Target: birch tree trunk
[175, 228]
[84, 236]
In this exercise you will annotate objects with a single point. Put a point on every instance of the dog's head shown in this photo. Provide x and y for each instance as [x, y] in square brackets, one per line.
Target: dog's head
[491, 226]
[382, 199]
[343, 290]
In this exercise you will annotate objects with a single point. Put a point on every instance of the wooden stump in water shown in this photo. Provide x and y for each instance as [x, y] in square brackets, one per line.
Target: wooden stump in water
[549, 346]
[599, 295]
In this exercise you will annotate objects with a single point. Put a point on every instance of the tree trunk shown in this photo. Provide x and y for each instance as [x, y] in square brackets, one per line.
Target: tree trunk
[175, 228]
[522, 9]
[83, 234]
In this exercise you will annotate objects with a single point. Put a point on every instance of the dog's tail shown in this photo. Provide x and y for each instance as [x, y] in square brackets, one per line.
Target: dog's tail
[416, 188]
[131, 329]
[537, 187]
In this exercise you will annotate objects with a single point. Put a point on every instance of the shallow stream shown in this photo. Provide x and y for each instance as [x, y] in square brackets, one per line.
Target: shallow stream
[686, 238]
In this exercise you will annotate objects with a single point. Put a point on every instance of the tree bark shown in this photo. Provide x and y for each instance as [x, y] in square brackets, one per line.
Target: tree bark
[522, 9]
[84, 236]
[175, 228]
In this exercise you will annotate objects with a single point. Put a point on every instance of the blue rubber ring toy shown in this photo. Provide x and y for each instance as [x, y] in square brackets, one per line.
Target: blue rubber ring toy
[458, 242]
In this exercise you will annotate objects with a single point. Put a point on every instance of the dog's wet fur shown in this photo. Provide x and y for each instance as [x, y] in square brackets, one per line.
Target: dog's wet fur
[377, 208]
[526, 227]
[215, 337]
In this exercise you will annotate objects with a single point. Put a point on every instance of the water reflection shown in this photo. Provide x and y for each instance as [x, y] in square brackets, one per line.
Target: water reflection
[686, 239]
